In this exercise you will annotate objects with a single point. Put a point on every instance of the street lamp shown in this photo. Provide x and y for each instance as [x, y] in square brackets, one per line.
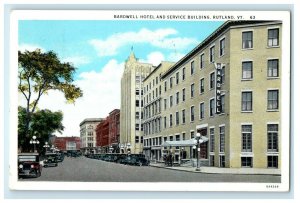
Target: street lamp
[128, 147]
[34, 141]
[122, 149]
[198, 136]
[46, 146]
[111, 149]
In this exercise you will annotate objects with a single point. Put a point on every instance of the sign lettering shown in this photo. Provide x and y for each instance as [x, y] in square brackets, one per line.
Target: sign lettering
[218, 88]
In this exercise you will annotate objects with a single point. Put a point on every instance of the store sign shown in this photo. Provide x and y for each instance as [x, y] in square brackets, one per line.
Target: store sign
[218, 87]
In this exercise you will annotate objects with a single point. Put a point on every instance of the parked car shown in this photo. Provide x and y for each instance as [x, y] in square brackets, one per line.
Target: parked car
[50, 160]
[29, 165]
[137, 161]
[60, 156]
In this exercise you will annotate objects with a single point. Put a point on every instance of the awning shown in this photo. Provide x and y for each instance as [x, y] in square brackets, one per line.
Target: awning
[184, 143]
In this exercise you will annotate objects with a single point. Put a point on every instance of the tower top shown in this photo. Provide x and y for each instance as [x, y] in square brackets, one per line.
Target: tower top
[132, 56]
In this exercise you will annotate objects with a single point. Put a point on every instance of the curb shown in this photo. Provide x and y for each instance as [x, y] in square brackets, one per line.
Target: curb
[176, 169]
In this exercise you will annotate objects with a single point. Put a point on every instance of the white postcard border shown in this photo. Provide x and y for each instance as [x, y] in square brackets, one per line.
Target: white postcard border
[120, 186]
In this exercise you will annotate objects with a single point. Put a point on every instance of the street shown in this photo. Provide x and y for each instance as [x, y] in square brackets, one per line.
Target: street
[91, 170]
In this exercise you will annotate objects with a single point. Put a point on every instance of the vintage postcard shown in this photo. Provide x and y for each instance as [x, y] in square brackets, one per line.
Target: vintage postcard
[131, 100]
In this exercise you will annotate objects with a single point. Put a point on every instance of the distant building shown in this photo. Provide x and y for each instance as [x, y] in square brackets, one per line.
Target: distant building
[88, 134]
[108, 133]
[66, 143]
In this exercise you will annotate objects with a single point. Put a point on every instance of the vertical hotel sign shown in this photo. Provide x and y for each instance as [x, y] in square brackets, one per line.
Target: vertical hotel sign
[218, 67]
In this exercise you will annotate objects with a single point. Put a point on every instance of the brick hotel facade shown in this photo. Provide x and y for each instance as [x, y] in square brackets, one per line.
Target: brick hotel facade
[181, 100]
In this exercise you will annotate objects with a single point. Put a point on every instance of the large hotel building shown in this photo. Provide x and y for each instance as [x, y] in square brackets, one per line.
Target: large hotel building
[227, 89]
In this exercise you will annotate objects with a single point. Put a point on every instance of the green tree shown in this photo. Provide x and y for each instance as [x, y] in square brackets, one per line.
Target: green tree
[38, 74]
[43, 123]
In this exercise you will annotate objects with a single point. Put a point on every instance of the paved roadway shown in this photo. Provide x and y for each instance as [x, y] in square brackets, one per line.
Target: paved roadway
[90, 170]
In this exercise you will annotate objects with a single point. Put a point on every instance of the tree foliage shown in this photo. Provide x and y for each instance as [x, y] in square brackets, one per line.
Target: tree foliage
[43, 123]
[41, 72]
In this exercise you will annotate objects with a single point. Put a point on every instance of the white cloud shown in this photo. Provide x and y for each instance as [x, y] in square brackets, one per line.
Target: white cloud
[30, 47]
[161, 38]
[154, 58]
[77, 60]
[101, 94]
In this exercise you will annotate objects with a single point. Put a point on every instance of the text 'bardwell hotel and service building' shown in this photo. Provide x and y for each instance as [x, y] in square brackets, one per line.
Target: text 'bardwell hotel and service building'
[227, 89]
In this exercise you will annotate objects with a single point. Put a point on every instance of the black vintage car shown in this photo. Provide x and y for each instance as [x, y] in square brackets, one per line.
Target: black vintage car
[50, 159]
[29, 165]
[60, 156]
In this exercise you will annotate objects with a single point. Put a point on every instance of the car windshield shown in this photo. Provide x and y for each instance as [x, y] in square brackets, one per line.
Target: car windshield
[27, 158]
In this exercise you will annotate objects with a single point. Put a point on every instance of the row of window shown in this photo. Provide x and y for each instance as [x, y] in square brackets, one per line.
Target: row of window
[273, 38]
[246, 106]
[246, 162]
[272, 100]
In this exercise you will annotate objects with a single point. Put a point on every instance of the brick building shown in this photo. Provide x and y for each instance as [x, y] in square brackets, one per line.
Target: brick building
[66, 143]
[108, 133]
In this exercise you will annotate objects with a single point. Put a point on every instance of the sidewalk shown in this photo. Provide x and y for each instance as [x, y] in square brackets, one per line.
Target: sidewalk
[216, 170]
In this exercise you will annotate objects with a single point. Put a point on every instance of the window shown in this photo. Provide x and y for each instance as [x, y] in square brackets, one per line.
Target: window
[272, 161]
[183, 73]
[165, 104]
[212, 81]
[183, 94]
[212, 107]
[137, 126]
[137, 139]
[137, 92]
[223, 75]
[165, 122]
[156, 92]
[137, 103]
[273, 99]
[192, 113]
[211, 160]
[165, 86]
[222, 103]
[201, 110]
[246, 162]
[171, 101]
[137, 115]
[156, 79]
[171, 120]
[222, 139]
[183, 116]
[177, 118]
[273, 68]
[246, 138]
[202, 61]
[246, 101]
[212, 139]
[247, 40]
[177, 78]
[222, 161]
[192, 134]
[222, 47]
[171, 82]
[192, 67]
[247, 70]
[202, 86]
[212, 54]
[192, 90]
[177, 97]
[273, 37]
[160, 90]
[272, 137]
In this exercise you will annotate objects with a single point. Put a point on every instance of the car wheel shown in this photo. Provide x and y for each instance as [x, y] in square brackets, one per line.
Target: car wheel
[38, 173]
[140, 164]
